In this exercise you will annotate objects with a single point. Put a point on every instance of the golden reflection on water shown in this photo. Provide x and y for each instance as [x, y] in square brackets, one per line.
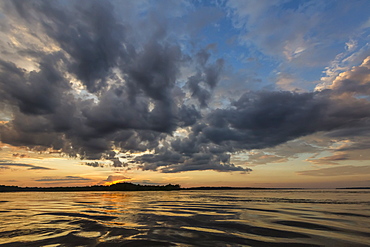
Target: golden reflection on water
[202, 229]
[242, 217]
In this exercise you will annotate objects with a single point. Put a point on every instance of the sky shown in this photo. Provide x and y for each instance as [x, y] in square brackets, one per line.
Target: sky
[272, 93]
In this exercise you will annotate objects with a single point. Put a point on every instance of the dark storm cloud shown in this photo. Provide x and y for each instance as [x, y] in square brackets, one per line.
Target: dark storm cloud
[87, 31]
[93, 45]
[266, 119]
[205, 161]
[35, 92]
[132, 110]
[188, 157]
[207, 77]
[188, 115]
[154, 69]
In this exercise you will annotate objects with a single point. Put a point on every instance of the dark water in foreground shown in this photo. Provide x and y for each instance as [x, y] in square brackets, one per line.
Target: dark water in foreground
[186, 218]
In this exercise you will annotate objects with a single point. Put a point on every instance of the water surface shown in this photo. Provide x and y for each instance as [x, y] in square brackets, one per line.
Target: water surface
[186, 218]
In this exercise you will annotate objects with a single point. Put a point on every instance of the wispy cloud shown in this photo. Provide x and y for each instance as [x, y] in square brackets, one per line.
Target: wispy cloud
[337, 171]
[63, 179]
[9, 165]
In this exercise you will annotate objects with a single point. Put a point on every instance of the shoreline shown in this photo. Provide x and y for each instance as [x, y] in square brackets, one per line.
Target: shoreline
[137, 187]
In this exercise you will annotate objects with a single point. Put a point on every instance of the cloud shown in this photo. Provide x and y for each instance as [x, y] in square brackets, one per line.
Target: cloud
[330, 160]
[63, 179]
[146, 182]
[9, 165]
[19, 155]
[263, 119]
[129, 94]
[266, 119]
[196, 165]
[287, 82]
[257, 158]
[112, 178]
[285, 36]
[337, 171]
[353, 148]
[100, 82]
[46, 99]
[303, 38]
[296, 147]
[203, 82]
[355, 80]
[300, 32]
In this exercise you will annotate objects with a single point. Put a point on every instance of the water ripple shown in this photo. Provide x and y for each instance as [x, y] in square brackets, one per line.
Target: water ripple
[185, 218]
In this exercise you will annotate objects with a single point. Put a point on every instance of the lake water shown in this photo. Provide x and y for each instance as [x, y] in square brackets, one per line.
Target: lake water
[186, 218]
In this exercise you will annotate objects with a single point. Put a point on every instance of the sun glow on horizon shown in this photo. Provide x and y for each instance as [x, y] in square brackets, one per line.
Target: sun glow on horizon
[117, 181]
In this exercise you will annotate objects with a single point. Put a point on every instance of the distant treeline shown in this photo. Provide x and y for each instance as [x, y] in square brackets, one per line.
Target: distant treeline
[137, 187]
[124, 187]
[354, 188]
[114, 187]
[236, 188]
[223, 188]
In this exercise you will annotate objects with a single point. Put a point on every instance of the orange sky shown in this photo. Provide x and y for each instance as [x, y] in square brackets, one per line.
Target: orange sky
[63, 171]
